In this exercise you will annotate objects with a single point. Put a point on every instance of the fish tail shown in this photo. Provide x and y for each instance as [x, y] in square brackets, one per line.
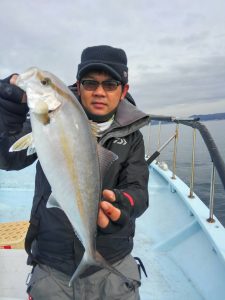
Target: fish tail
[98, 260]
[86, 262]
[131, 283]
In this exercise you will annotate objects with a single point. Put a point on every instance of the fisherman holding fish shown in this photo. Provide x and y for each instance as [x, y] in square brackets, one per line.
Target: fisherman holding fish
[91, 175]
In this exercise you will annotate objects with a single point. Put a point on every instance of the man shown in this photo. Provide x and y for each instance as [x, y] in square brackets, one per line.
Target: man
[101, 87]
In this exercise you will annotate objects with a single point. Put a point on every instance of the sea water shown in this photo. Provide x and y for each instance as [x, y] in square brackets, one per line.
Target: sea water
[203, 163]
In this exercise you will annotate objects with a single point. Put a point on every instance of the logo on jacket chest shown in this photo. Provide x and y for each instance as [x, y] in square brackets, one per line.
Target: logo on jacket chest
[120, 141]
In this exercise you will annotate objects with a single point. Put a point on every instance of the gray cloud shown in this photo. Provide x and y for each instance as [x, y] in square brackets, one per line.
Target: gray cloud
[188, 40]
[199, 82]
[175, 48]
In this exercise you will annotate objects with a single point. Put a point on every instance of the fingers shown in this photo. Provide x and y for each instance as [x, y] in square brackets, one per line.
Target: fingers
[107, 211]
[103, 220]
[109, 195]
[110, 211]
[13, 79]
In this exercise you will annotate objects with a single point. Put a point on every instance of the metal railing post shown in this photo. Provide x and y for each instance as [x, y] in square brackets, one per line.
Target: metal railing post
[149, 139]
[211, 200]
[175, 152]
[191, 194]
[159, 138]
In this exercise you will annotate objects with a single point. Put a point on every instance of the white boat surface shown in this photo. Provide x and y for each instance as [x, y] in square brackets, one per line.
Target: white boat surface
[183, 253]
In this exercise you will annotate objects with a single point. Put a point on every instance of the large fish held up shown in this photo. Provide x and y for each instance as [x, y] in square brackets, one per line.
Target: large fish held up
[70, 156]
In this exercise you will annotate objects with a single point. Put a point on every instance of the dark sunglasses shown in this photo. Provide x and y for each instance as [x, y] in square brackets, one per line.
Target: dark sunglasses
[108, 85]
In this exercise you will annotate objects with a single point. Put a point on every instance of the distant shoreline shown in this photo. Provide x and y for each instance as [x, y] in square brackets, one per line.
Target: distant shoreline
[202, 118]
[210, 117]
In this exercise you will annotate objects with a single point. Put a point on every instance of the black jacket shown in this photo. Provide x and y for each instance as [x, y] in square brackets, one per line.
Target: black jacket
[56, 245]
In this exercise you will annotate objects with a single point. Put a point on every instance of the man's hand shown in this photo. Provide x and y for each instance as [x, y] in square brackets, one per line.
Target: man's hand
[13, 81]
[107, 211]
[13, 107]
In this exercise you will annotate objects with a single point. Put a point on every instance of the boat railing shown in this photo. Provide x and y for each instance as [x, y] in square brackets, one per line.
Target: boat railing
[216, 158]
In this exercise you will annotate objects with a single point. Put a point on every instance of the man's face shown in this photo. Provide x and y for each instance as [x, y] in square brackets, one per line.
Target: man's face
[100, 101]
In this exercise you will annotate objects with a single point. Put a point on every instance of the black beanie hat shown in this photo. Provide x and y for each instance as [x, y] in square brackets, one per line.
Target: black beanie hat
[106, 58]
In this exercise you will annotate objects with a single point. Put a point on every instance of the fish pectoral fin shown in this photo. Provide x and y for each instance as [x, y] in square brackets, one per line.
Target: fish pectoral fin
[52, 202]
[23, 143]
[106, 158]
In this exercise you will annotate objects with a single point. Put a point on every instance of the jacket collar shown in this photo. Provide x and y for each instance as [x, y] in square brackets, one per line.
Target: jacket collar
[127, 113]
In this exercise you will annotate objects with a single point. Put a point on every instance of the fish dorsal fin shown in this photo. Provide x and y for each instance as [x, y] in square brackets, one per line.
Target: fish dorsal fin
[106, 159]
[23, 143]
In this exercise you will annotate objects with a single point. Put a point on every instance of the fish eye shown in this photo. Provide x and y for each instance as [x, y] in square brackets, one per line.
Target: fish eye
[46, 81]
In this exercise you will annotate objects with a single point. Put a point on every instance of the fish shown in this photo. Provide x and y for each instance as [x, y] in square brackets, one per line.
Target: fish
[72, 160]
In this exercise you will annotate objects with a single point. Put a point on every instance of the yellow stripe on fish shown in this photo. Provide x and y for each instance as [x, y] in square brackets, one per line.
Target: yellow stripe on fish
[68, 154]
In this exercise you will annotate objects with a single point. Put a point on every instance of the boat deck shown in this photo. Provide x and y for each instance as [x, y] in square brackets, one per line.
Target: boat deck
[181, 260]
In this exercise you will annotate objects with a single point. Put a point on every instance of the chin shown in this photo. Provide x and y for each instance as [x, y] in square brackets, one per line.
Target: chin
[98, 113]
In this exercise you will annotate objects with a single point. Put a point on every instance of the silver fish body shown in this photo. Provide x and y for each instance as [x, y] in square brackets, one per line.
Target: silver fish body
[67, 152]
[68, 155]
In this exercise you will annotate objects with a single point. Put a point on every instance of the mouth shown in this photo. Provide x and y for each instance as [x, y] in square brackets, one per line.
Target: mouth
[99, 104]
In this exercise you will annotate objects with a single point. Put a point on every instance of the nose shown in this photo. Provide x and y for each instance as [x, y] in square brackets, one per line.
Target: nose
[99, 90]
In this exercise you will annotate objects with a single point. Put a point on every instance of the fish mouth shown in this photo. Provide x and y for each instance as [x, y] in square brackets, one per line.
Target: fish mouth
[23, 77]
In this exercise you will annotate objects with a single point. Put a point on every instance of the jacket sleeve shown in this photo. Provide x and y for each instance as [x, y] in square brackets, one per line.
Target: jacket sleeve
[14, 160]
[133, 180]
[13, 125]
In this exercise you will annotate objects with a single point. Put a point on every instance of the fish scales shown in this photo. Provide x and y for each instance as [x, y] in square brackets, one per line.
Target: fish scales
[70, 174]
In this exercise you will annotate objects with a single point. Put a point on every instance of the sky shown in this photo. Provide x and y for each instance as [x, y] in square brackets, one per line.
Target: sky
[175, 48]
